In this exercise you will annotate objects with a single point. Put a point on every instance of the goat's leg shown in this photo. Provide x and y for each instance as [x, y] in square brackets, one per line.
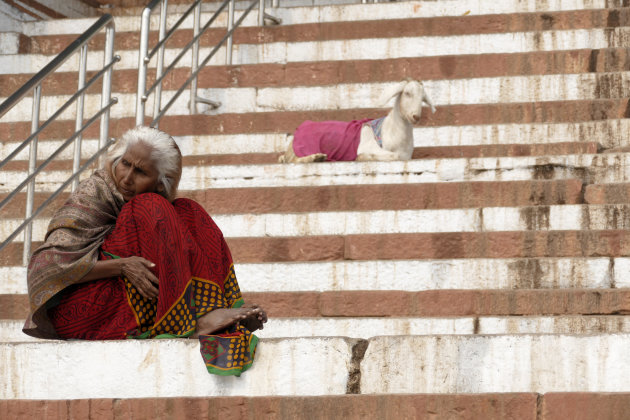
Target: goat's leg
[290, 157]
[317, 157]
[370, 150]
[364, 157]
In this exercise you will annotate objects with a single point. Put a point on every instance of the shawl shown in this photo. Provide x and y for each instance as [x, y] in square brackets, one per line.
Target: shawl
[71, 246]
[377, 127]
[339, 140]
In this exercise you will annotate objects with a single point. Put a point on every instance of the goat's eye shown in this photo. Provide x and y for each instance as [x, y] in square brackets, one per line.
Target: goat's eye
[407, 93]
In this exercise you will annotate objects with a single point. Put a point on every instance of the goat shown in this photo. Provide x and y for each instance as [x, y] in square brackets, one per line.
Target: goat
[386, 139]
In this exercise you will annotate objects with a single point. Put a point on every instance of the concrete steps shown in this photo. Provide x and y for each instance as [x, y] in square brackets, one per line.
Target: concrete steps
[11, 330]
[588, 168]
[527, 406]
[413, 275]
[452, 195]
[482, 16]
[487, 276]
[584, 218]
[392, 365]
[431, 303]
[449, 245]
[398, 45]
[452, 93]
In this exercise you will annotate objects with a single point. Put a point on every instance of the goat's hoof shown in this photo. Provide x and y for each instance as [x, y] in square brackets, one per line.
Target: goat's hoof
[319, 157]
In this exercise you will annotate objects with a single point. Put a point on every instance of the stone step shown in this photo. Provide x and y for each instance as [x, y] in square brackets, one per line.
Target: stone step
[435, 152]
[169, 360]
[358, 97]
[321, 366]
[494, 363]
[512, 139]
[307, 11]
[422, 246]
[308, 407]
[618, 192]
[578, 217]
[428, 303]
[359, 197]
[526, 406]
[412, 275]
[11, 330]
[285, 122]
[408, 23]
[589, 168]
[606, 60]
[377, 41]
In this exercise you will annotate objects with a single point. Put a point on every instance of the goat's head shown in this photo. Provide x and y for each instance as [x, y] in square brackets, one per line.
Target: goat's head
[410, 95]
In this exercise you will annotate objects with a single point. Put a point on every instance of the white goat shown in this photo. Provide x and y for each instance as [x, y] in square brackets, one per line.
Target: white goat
[395, 131]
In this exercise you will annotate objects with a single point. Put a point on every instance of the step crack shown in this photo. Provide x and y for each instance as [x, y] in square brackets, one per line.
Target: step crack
[354, 372]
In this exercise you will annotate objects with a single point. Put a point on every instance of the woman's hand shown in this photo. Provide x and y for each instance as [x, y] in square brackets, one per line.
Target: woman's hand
[138, 272]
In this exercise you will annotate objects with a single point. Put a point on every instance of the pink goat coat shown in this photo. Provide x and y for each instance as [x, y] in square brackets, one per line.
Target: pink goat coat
[339, 140]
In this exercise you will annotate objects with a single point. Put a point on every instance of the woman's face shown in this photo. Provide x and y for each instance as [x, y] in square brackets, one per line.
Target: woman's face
[136, 173]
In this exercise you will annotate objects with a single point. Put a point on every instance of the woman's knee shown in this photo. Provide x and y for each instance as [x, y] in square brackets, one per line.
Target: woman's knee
[150, 205]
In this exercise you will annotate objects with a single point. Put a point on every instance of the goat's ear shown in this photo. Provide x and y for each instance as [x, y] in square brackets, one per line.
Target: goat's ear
[391, 92]
[427, 100]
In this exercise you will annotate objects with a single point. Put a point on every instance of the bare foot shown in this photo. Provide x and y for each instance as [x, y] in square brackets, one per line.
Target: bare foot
[256, 320]
[220, 319]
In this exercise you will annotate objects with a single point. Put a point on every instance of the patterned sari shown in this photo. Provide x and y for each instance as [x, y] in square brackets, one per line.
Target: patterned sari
[196, 275]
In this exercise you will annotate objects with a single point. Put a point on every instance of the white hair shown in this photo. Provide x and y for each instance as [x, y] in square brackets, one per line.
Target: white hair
[164, 153]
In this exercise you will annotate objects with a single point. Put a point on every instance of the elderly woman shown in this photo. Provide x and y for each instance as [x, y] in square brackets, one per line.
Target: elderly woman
[124, 259]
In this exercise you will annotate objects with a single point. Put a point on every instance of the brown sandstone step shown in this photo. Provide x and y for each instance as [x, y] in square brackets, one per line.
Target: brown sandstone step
[613, 193]
[513, 244]
[525, 406]
[287, 122]
[387, 28]
[444, 195]
[435, 152]
[430, 303]
[358, 71]
[383, 407]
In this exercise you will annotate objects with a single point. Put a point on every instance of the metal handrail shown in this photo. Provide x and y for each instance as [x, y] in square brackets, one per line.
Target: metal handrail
[35, 85]
[12, 100]
[145, 56]
[54, 154]
[54, 195]
[57, 113]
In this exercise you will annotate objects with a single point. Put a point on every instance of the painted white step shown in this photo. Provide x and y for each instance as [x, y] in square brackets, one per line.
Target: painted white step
[168, 368]
[491, 90]
[491, 219]
[308, 11]
[11, 330]
[608, 133]
[479, 364]
[596, 168]
[320, 366]
[412, 275]
[359, 49]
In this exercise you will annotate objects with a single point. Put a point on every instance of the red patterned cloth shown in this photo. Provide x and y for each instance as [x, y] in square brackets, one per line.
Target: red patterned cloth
[196, 275]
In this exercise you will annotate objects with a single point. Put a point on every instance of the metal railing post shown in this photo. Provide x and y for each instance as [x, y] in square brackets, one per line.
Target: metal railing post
[197, 64]
[195, 59]
[32, 164]
[228, 51]
[261, 12]
[142, 66]
[157, 99]
[34, 85]
[108, 57]
[76, 163]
